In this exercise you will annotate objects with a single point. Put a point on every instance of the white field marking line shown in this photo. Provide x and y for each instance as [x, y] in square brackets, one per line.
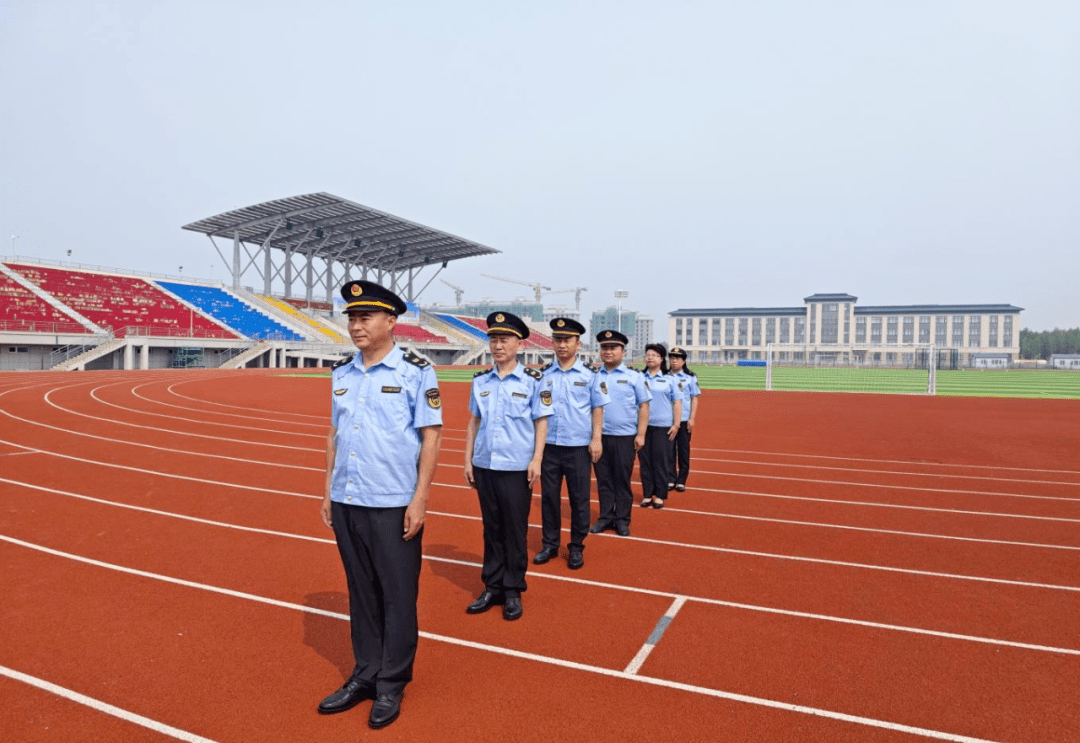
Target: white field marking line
[580, 581]
[858, 484]
[888, 472]
[654, 639]
[884, 486]
[48, 401]
[98, 705]
[227, 415]
[798, 558]
[17, 453]
[171, 476]
[548, 660]
[892, 461]
[171, 450]
[93, 394]
[173, 392]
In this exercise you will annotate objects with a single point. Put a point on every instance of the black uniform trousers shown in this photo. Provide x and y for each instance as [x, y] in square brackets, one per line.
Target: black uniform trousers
[572, 463]
[505, 500]
[383, 573]
[613, 472]
[682, 454]
[655, 458]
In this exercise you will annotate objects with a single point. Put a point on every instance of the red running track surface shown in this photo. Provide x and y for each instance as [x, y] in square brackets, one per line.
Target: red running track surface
[841, 568]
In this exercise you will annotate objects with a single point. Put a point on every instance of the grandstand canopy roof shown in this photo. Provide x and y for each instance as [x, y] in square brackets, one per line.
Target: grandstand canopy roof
[336, 229]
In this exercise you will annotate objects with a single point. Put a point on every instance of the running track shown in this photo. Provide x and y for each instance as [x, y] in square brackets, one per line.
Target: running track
[842, 568]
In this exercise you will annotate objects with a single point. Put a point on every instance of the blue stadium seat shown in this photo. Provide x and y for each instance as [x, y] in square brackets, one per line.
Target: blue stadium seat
[228, 309]
[460, 325]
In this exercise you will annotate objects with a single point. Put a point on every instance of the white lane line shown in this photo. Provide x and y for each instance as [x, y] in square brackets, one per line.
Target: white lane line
[17, 453]
[100, 706]
[547, 660]
[158, 429]
[248, 417]
[171, 417]
[891, 461]
[654, 639]
[171, 389]
[583, 581]
[887, 472]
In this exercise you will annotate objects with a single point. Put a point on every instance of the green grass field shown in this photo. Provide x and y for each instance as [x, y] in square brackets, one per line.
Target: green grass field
[969, 383]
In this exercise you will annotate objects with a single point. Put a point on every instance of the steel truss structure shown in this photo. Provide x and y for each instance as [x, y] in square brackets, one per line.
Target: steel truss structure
[333, 236]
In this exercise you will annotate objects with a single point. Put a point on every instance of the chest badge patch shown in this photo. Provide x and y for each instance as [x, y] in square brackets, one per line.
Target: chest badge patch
[434, 399]
[342, 391]
[518, 394]
[545, 397]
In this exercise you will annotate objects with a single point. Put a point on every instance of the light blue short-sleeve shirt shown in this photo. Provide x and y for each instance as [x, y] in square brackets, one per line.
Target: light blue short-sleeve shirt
[690, 389]
[378, 413]
[627, 390]
[575, 392]
[507, 407]
[665, 391]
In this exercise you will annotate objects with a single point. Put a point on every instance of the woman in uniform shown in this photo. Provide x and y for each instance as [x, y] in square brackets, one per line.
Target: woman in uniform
[665, 414]
[688, 385]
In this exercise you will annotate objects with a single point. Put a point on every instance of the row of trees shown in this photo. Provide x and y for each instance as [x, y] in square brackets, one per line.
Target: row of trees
[1040, 344]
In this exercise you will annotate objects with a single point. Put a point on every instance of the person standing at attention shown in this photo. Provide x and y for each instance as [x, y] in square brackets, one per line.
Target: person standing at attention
[625, 420]
[504, 446]
[665, 412]
[574, 441]
[691, 391]
[380, 461]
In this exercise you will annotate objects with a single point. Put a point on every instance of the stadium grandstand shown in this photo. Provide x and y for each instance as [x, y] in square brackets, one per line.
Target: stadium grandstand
[67, 316]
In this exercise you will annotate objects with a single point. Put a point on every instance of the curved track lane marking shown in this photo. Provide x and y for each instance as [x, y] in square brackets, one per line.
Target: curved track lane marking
[549, 660]
[94, 395]
[577, 581]
[237, 407]
[211, 412]
[98, 705]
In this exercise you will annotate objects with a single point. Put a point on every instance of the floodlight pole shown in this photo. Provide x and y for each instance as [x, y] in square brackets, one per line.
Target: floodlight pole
[620, 294]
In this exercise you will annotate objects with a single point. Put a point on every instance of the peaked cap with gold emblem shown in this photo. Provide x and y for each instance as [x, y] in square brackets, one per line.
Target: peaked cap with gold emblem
[367, 295]
[611, 336]
[676, 351]
[564, 327]
[507, 324]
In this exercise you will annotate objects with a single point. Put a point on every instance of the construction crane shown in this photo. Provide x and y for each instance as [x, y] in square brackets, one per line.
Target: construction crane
[577, 290]
[537, 286]
[458, 291]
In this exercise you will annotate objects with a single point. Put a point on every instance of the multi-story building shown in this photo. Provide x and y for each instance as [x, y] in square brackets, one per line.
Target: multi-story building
[643, 331]
[832, 327]
[608, 319]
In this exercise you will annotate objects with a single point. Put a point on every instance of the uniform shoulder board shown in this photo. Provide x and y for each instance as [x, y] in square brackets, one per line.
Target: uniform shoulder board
[482, 372]
[593, 367]
[415, 360]
[534, 373]
[344, 361]
[547, 366]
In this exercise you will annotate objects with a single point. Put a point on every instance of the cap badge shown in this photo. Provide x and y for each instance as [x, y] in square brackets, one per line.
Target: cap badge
[500, 317]
[561, 323]
[607, 334]
[356, 290]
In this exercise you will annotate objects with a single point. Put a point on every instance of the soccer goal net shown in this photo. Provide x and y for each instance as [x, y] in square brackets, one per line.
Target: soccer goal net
[909, 370]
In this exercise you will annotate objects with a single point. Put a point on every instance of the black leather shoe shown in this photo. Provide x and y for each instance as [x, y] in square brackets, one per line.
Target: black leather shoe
[681, 488]
[545, 555]
[598, 527]
[485, 601]
[622, 531]
[512, 610]
[347, 697]
[576, 560]
[386, 709]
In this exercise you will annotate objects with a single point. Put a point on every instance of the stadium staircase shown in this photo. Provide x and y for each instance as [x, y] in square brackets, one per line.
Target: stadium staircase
[240, 360]
[96, 352]
[59, 313]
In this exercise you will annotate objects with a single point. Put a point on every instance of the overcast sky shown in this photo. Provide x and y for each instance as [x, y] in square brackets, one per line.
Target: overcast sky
[695, 154]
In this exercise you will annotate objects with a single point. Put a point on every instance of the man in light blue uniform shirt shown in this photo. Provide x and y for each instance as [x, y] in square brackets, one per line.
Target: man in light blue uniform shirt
[574, 441]
[625, 420]
[380, 461]
[504, 446]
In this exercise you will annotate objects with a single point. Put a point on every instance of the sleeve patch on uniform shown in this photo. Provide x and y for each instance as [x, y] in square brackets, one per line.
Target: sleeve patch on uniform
[434, 399]
[545, 397]
[647, 385]
[680, 386]
[603, 387]
[391, 389]
[342, 391]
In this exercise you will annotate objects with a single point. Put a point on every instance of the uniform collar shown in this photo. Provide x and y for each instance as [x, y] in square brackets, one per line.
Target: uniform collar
[578, 365]
[391, 359]
[650, 375]
[517, 371]
[620, 368]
